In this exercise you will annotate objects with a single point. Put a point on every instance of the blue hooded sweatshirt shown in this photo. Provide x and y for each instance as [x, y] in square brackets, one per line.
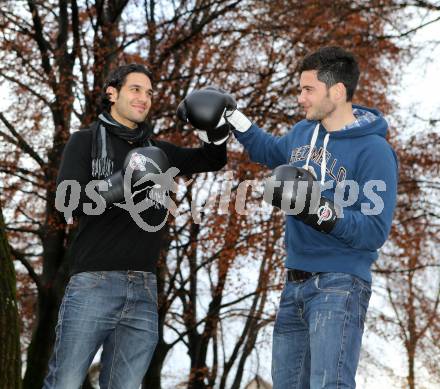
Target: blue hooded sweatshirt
[358, 153]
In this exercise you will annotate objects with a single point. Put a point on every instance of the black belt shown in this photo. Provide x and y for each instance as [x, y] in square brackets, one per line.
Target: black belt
[299, 275]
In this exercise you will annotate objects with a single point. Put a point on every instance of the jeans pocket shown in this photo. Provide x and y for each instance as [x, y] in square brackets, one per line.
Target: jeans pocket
[85, 280]
[364, 300]
[150, 285]
[364, 285]
[341, 283]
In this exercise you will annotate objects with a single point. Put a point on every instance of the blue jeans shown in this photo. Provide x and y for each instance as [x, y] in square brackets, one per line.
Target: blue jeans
[115, 309]
[318, 332]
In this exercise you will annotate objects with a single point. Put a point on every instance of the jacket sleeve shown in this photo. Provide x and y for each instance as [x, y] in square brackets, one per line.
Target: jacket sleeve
[207, 158]
[264, 148]
[75, 172]
[377, 176]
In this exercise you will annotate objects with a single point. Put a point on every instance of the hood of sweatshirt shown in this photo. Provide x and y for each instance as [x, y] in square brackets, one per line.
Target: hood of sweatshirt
[369, 121]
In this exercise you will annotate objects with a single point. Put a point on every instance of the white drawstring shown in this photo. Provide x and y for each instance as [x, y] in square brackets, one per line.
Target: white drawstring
[312, 144]
[324, 151]
[324, 159]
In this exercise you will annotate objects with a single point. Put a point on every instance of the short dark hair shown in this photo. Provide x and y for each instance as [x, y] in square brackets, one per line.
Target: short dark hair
[117, 79]
[334, 65]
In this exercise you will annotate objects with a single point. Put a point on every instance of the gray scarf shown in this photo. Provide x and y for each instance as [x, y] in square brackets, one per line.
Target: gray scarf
[102, 150]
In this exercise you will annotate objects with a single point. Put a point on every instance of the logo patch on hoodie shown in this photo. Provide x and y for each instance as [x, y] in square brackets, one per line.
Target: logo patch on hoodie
[300, 154]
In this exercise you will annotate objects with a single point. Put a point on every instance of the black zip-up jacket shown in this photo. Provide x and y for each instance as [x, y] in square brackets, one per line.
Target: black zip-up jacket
[113, 240]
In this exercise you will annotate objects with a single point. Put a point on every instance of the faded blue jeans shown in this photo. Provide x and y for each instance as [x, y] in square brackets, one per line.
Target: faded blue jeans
[318, 332]
[113, 309]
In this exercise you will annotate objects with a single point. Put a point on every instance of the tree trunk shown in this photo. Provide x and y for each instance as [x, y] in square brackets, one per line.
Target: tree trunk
[411, 378]
[54, 279]
[10, 356]
[153, 377]
[42, 341]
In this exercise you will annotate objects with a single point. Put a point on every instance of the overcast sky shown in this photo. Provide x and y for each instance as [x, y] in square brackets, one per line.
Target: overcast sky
[419, 90]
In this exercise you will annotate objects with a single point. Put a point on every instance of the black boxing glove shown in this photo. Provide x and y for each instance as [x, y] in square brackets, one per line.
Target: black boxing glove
[138, 165]
[295, 191]
[205, 110]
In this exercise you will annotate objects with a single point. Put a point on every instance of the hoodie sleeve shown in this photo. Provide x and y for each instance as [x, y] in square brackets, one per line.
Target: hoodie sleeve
[367, 228]
[264, 148]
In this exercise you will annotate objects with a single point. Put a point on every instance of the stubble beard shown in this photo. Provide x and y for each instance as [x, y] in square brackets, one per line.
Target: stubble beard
[131, 116]
[325, 109]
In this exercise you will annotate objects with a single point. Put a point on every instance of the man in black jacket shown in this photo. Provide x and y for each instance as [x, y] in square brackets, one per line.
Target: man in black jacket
[111, 298]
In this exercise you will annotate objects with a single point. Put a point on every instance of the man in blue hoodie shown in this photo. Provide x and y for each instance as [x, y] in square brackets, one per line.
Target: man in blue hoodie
[319, 325]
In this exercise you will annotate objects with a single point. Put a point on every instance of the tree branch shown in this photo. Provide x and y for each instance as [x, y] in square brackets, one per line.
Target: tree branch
[43, 45]
[35, 277]
[21, 142]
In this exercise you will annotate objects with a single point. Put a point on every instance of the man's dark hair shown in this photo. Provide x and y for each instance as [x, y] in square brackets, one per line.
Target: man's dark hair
[117, 79]
[334, 65]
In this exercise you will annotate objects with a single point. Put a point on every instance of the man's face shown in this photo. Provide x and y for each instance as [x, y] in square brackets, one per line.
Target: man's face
[132, 103]
[315, 98]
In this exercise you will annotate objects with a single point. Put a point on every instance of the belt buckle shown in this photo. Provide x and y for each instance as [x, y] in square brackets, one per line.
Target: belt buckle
[304, 276]
[299, 276]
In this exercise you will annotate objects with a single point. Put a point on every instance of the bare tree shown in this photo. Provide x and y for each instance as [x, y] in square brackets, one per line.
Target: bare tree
[410, 269]
[10, 353]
